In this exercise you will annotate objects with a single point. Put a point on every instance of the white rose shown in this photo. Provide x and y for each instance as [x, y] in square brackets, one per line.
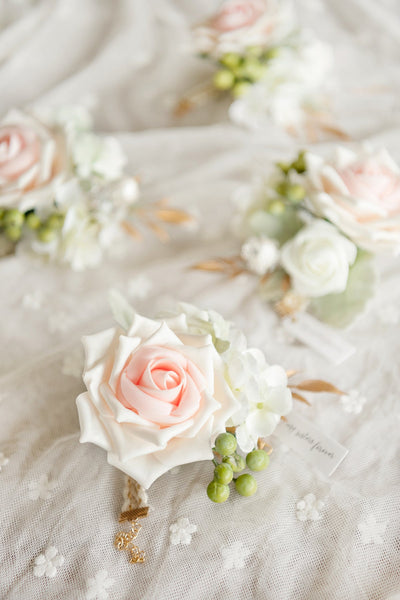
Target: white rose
[360, 193]
[318, 259]
[156, 397]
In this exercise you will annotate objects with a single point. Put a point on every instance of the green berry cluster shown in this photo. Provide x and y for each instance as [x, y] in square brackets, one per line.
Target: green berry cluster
[13, 222]
[232, 462]
[288, 192]
[236, 72]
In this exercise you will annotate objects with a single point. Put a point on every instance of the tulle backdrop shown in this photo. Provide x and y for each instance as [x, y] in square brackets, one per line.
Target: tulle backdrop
[133, 60]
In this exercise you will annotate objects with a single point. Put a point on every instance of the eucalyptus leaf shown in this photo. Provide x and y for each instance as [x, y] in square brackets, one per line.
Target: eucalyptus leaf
[122, 311]
[339, 310]
[279, 227]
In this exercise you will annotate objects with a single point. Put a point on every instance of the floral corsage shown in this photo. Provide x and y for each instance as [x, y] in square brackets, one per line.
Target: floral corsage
[310, 230]
[177, 389]
[63, 191]
[273, 70]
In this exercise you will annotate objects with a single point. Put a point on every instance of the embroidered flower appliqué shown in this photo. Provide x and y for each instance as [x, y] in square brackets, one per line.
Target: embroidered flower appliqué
[47, 563]
[371, 531]
[308, 508]
[139, 287]
[181, 531]
[353, 402]
[59, 322]
[98, 585]
[41, 488]
[3, 460]
[234, 556]
[73, 364]
[33, 300]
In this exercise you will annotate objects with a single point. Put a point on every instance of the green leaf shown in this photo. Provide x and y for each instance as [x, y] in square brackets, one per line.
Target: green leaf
[122, 311]
[339, 310]
[279, 227]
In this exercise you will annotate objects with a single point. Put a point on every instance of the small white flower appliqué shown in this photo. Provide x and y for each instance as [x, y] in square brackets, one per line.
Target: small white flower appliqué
[3, 460]
[73, 364]
[98, 585]
[59, 321]
[353, 402]
[33, 300]
[308, 508]
[371, 531]
[41, 488]
[234, 556]
[47, 563]
[139, 287]
[181, 531]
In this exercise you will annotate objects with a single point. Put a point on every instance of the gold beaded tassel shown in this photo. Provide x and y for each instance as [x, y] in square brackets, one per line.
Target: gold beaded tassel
[135, 497]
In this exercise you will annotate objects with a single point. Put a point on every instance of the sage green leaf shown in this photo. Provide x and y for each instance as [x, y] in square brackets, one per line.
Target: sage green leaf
[339, 310]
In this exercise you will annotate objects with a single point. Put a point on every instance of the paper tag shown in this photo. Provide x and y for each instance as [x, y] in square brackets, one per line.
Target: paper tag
[318, 336]
[318, 449]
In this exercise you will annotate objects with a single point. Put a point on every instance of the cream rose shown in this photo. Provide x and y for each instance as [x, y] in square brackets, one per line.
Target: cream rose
[32, 160]
[243, 23]
[318, 259]
[360, 194]
[156, 397]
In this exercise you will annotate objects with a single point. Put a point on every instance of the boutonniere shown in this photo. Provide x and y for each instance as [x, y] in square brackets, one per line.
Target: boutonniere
[271, 69]
[177, 389]
[310, 229]
[64, 193]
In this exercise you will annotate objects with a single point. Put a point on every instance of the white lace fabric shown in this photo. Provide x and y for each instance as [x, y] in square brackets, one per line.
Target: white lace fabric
[303, 536]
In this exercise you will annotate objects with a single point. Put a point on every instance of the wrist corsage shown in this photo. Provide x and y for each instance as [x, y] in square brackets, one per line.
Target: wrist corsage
[63, 191]
[177, 389]
[310, 230]
[272, 70]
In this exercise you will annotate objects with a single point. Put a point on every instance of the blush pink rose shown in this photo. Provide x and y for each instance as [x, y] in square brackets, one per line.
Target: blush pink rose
[161, 385]
[360, 193]
[243, 23]
[237, 14]
[156, 397]
[31, 159]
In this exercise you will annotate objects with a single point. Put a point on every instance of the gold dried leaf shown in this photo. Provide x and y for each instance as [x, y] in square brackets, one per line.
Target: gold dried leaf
[173, 216]
[131, 230]
[300, 397]
[318, 385]
[211, 265]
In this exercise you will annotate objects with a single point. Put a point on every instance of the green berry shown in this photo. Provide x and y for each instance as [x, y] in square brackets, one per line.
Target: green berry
[241, 88]
[282, 188]
[231, 60]
[246, 485]
[255, 51]
[257, 460]
[223, 473]
[296, 192]
[224, 80]
[225, 444]
[55, 221]
[235, 461]
[13, 232]
[284, 167]
[276, 207]
[252, 69]
[217, 492]
[32, 220]
[13, 218]
[45, 234]
[271, 53]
